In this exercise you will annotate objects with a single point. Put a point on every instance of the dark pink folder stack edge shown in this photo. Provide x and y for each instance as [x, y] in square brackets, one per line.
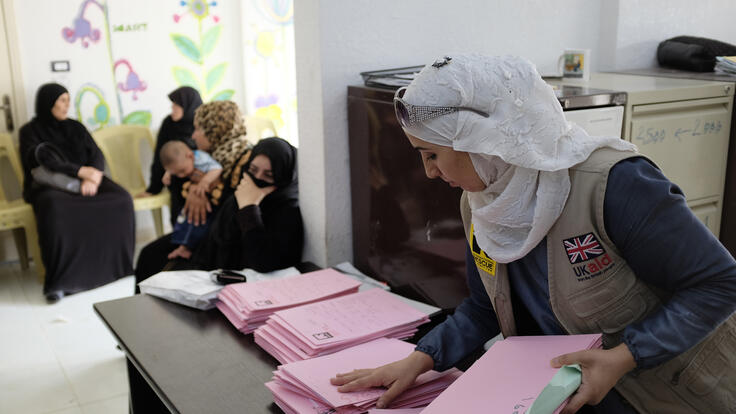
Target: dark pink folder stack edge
[248, 305]
[329, 326]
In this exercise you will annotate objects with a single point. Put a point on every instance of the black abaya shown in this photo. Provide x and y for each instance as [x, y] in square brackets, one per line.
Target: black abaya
[189, 100]
[263, 237]
[86, 241]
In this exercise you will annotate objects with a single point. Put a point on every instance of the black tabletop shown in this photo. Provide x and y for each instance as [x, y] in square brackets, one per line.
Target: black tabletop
[195, 361]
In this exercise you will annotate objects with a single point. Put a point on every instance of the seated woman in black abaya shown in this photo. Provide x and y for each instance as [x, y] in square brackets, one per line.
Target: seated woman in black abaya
[87, 236]
[178, 126]
[258, 227]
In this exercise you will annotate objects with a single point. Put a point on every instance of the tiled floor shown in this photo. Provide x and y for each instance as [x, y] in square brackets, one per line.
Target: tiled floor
[58, 358]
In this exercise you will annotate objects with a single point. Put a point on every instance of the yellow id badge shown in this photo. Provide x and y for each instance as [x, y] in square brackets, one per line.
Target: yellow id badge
[482, 260]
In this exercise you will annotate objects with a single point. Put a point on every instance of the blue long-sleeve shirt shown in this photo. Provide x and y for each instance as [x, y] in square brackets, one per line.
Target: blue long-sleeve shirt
[666, 246]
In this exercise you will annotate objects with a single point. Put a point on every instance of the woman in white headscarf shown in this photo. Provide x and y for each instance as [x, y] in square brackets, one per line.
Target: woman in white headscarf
[581, 233]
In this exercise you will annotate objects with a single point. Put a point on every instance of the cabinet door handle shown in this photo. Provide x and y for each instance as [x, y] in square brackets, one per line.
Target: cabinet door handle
[8, 109]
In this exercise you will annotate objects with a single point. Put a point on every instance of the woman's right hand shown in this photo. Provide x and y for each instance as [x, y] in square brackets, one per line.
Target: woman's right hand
[396, 376]
[88, 188]
[143, 194]
[90, 174]
[196, 208]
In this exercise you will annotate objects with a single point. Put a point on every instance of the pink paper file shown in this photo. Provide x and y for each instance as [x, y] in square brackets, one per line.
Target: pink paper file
[305, 385]
[278, 293]
[349, 317]
[509, 376]
[329, 326]
[248, 305]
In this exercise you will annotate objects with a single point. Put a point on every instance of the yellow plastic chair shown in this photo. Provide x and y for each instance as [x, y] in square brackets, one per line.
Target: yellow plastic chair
[17, 215]
[120, 144]
[256, 126]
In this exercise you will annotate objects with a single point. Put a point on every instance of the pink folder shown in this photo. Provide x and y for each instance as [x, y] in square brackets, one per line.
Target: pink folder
[510, 375]
[332, 325]
[349, 317]
[248, 305]
[305, 384]
[280, 293]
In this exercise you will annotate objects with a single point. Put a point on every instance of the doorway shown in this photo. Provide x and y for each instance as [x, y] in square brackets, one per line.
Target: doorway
[12, 112]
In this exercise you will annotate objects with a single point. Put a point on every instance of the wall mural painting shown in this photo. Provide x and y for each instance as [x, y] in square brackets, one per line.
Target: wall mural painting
[82, 29]
[277, 11]
[269, 44]
[84, 32]
[90, 99]
[203, 77]
[133, 82]
[267, 107]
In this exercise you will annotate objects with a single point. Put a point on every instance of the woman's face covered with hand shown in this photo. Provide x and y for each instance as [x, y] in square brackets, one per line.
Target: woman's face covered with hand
[273, 162]
[260, 171]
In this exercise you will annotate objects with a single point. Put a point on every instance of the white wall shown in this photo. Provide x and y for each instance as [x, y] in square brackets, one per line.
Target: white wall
[336, 40]
[642, 24]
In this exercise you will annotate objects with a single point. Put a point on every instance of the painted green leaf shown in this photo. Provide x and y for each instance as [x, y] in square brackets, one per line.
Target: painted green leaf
[138, 118]
[209, 40]
[215, 75]
[187, 47]
[185, 77]
[223, 95]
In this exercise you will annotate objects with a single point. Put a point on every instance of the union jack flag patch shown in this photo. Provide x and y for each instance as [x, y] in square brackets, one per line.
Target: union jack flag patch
[582, 248]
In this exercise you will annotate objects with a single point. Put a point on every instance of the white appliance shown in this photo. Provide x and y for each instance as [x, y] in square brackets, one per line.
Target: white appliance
[600, 112]
[606, 121]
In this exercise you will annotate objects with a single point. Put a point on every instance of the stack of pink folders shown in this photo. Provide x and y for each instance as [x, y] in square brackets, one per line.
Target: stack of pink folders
[510, 375]
[304, 386]
[248, 305]
[329, 326]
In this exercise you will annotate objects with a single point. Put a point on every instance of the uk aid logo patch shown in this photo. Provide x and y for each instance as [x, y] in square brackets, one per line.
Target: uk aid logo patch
[588, 257]
[582, 248]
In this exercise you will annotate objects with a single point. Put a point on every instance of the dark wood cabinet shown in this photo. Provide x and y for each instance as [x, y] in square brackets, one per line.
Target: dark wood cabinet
[407, 229]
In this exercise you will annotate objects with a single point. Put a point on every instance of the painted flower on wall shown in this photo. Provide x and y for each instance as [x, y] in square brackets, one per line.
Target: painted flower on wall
[133, 82]
[267, 107]
[101, 113]
[199, 9]
[82, 29]
[96, 105]
[277, 11]
[204, 78]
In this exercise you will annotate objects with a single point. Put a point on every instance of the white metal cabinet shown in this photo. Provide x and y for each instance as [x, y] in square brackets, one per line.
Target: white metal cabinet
[683, 126]
[688, 140]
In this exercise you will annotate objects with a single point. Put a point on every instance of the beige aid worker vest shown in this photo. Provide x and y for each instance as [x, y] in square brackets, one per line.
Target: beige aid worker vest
[599, 293]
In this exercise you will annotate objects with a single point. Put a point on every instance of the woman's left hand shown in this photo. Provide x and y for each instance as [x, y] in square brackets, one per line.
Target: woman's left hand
[89, 188]
[601, 370]
[248, 193]
[196, 209]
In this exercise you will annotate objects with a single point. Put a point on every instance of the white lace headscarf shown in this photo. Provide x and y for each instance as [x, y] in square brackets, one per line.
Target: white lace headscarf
[521, 152]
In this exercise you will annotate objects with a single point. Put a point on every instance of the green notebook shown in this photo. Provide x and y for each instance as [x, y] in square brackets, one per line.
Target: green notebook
[559, 388]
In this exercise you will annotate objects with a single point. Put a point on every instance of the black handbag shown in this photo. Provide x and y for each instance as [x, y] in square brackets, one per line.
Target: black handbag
[44, 176]
[696, 54]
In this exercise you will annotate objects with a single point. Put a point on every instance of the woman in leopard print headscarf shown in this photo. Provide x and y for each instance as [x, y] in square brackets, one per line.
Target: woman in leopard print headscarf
[219, 129]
